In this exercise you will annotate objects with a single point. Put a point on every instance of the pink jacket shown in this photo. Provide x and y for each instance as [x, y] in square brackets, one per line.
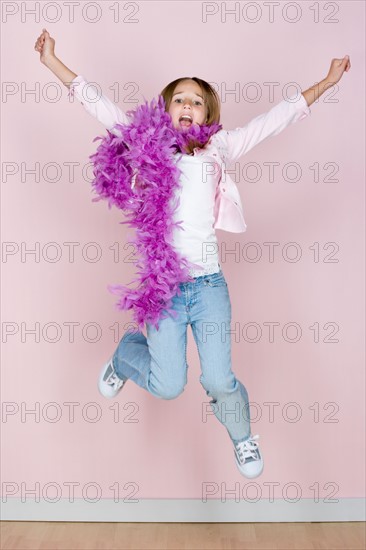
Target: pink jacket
[227, 145]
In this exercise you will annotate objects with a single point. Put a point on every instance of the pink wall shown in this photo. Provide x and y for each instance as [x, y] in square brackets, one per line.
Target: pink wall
[163, 448]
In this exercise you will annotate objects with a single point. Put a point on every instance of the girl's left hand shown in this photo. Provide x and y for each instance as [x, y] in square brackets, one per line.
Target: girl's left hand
[337, 68]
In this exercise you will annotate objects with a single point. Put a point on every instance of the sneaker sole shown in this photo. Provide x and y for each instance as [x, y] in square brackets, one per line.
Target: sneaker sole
[246, 475]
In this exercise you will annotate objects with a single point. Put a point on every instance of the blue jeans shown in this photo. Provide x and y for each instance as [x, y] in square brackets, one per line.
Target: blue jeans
[158, 363]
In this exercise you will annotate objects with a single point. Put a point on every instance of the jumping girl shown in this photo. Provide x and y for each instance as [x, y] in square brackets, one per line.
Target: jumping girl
[208, 199]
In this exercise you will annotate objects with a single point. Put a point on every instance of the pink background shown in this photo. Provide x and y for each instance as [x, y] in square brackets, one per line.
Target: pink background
[169, 452]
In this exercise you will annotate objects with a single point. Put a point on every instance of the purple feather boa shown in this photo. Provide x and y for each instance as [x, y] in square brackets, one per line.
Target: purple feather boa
[143, 155]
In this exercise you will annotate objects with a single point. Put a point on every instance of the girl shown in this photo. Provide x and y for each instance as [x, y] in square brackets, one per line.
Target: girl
[208, 199]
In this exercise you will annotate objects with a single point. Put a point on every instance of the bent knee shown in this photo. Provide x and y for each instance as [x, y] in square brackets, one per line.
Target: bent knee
[217, 386]
[166, 392]
[167, 384]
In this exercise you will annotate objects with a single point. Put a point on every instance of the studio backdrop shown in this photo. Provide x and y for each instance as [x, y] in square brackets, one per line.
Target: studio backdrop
[295, 277]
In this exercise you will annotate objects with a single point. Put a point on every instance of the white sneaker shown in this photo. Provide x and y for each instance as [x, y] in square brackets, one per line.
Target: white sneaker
[248, 457]
[109, 384]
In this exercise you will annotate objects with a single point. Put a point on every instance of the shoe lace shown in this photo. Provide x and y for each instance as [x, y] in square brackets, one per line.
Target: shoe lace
[248, 448]
[114, 380]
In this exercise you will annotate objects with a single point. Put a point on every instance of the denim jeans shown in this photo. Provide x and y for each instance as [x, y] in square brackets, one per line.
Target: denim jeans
[158, 363]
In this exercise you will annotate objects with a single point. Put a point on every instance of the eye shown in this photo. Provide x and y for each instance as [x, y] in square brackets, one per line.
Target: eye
[197, 101]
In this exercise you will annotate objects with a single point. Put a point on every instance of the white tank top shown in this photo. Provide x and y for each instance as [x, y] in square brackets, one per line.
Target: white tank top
[195, 238]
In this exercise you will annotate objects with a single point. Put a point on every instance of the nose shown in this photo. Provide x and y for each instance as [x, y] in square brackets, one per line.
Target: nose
[186, 102]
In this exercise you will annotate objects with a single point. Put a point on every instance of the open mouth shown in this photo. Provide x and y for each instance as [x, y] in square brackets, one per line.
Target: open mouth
[185, 121]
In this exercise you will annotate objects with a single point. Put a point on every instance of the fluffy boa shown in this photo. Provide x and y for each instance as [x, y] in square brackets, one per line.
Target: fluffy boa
[136, 172]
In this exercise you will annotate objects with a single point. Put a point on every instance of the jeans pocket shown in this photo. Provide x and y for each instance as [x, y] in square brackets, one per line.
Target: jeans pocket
[216, 280]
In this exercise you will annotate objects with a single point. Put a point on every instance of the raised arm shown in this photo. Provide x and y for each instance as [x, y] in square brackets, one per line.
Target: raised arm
[94, 102]
[241, 140]
[97, 104]
[335, 73]
[237, 142]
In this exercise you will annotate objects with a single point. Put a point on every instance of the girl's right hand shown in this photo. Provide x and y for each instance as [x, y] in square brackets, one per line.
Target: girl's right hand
[45, 45]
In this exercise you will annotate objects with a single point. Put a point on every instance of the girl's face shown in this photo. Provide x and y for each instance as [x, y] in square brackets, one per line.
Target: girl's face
[187, 106]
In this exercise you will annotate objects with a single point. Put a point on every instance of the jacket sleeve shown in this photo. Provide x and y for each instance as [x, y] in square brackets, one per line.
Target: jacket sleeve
[271, 123]
[97, 104]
